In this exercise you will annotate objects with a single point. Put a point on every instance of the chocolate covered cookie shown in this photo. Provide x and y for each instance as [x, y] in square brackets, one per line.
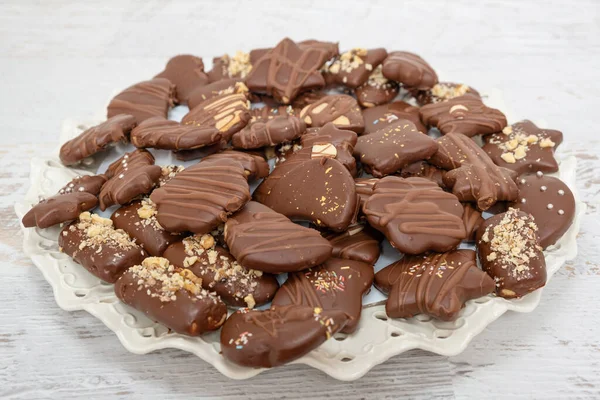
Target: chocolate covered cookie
[160, 133]
[472, 175]
[523, 147]
[269, 133]
[340, 109]
[237, 66]
[138, 219]
[265, 339]
[97, 138]
[104, 251]
[130, 176]
[377, 118]
[416, 215]
[221, 273]
[186, 72]
[216, 89]
[58, 209]
[338, 284]
[319, 190]
[228, 113]
[78, 195]
[443, 91]
[394, 147]
[422, 169]
[353, 67]
[202, 196]
[464, 114]
[287, 70]
[263, 239]
[171, 296]
[376, 90]
[509, 251]
[433, 284]
[255, 166]
[144, 100]
[358, 243]
[551, 203]
[409, 69]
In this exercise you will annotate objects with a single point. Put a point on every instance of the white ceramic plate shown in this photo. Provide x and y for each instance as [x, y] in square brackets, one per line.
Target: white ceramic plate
[346, 357]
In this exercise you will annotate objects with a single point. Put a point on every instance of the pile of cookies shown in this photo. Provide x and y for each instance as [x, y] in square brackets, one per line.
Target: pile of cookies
[184, 245]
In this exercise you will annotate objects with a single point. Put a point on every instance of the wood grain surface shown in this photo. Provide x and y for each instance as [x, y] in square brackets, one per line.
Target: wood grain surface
[63, 59]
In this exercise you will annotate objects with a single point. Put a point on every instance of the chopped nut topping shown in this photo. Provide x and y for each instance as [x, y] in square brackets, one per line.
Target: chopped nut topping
[445, 92]
[147, 212]
[169, 172]
[163, 280]
[238, 65]
[250, 301]
[513, 243]
[518, 144]
[546, 142]
[349, 61]
[376, 79]
[99, 231]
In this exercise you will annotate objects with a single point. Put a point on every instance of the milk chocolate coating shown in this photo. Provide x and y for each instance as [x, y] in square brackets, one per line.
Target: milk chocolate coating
[433, 284]
[353, 67]
[237, 66]
[307, 98]
[286, 71]
[376, 90]
[416, 215]
[160, 133]
[144, 100]
[96, 138]
[146, 231]
[442, 91]
[410, 70]
[422, 169]
[319, 190]
[394, 147]
[473, 177]
[216, 89]
[228, 113]
[277, 336]
[86, 183]
[185, 312]
[364, 189]
[255, 166]
[132, 175]
[509, 251]
[105, 259]
[464, 114]
[236, 285]
[58, 209]
[202, 196]
[472, 219]
[269, 133]
[551, 203]
[328, 133]
[358, 243]
[195, 154]
[331, 48]
[340, 109]
[377, 118]
[186, 72]
[263, 239]
[523, 147]
[336, 285]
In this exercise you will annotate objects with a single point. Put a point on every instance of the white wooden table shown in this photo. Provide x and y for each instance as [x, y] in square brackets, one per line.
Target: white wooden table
[60, 59]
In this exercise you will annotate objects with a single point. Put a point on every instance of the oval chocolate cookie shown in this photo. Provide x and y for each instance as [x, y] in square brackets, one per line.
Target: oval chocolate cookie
[551, 203]
[277, 336]
[416, 215]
